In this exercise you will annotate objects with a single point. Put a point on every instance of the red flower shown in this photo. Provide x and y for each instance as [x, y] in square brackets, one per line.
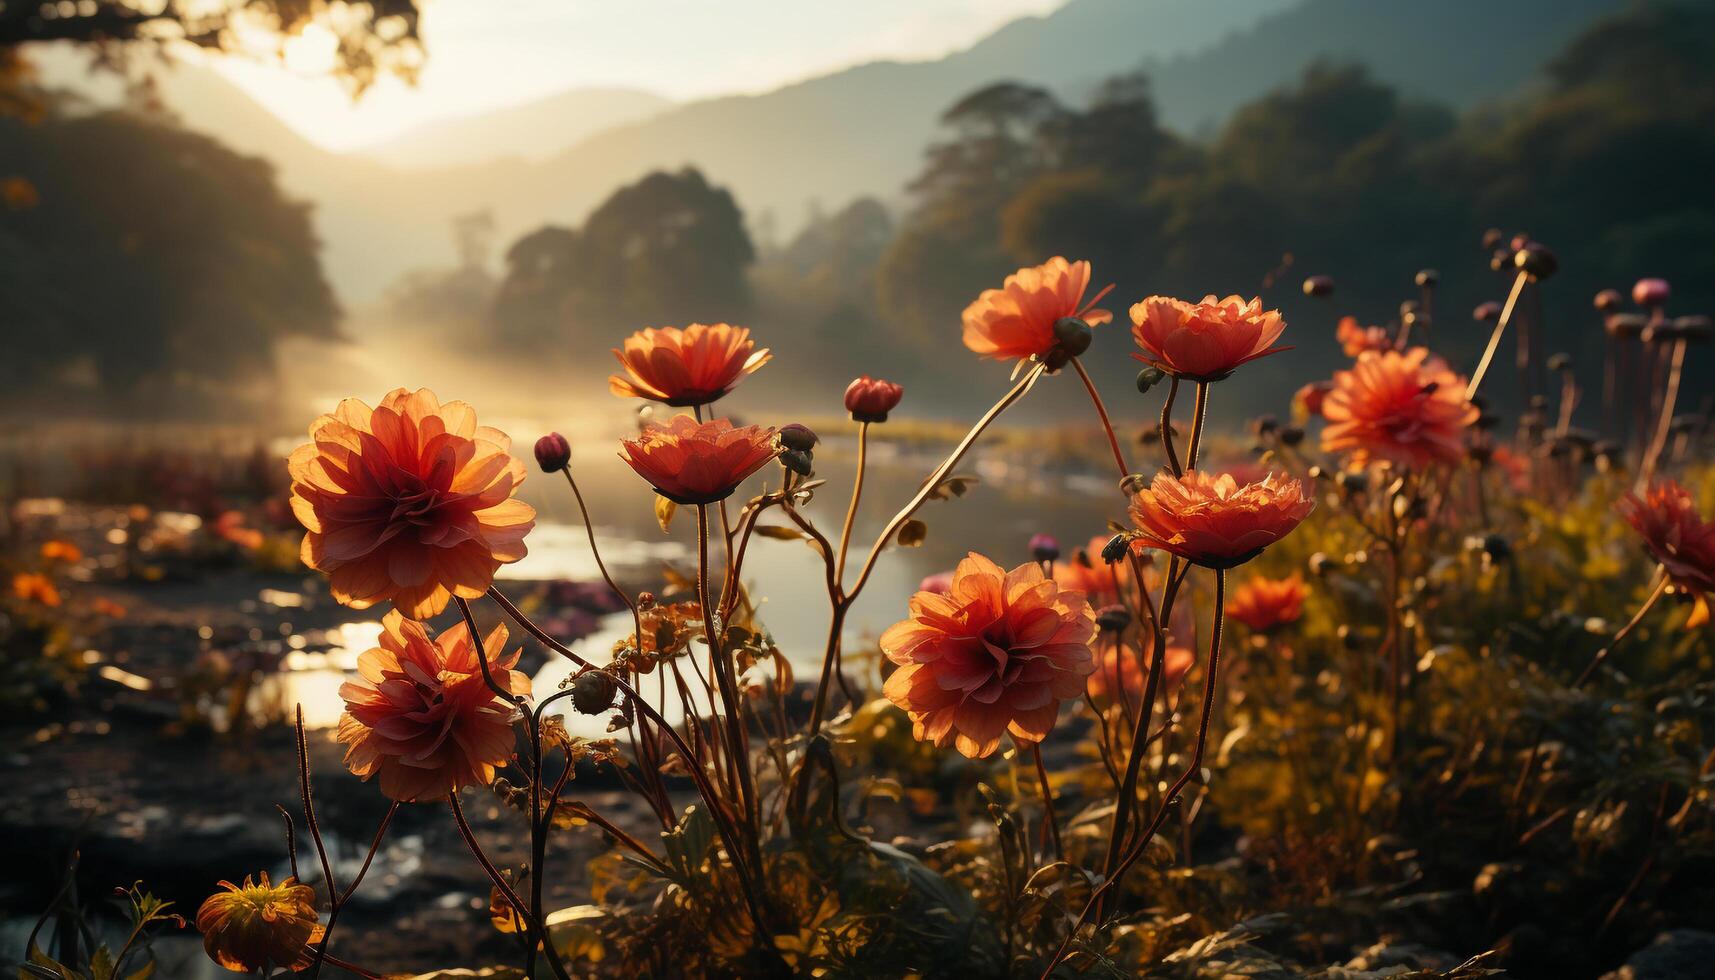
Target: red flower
[1356, 338]
[1409, 408]
[996, 654]
[1309, 399]
[1265, 603]
[421, 715]
[693, 366]
[1017, 320]
[692, 463]
[1214, 521]
[1203, 341]
[410, 502]
[870, 399]
[1677, 537]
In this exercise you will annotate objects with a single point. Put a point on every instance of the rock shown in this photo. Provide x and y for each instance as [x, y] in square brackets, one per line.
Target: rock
[1679, 954]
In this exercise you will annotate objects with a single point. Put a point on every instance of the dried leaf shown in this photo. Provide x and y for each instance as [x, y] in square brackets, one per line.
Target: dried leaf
[664, 511]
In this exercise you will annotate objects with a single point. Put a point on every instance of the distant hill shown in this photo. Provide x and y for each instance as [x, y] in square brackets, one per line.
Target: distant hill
[532, 131]
[862, 131]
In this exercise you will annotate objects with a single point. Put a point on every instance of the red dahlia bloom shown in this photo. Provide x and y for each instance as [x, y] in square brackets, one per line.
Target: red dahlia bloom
[1676, 536]
[698, 463]
[1214, 521]
[996, 654]
[870, 399]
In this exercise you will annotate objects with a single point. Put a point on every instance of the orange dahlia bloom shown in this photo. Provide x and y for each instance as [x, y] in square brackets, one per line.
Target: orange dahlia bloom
[1265, 603]
[698, 463]
[1084, 571]
[1214, 520]
[1406, 407]
[1017, 320]
[1123, 670]
[693, 366]
[257, 926]
[1203, 341]
[1355, 338]
[31, 587]
[421, 715]
[410, 502]
[1677, 537]
[996, 654]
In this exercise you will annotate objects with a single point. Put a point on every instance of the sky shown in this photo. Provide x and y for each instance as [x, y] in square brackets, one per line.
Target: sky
[484, 54]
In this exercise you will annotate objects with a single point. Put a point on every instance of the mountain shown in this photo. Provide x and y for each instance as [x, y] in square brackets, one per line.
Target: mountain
[532, 131]
[862, 130]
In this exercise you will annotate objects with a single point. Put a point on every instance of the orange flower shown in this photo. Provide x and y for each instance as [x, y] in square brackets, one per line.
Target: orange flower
[1409, 408]
[32, 587]
[410, 502]
[698, 463]
[996, 654]
[421, 714]
[1123, 669]
[1214, 521]
[693, 366]
[1356, 338]
[1017, 320]
[1307, 402]
[1265, 603]
[1677, 537]
[1204, 341]
[258, 926]
[1085, 571]
[60, 549]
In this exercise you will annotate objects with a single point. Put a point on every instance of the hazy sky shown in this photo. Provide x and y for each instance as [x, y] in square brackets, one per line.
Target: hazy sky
[488, 53]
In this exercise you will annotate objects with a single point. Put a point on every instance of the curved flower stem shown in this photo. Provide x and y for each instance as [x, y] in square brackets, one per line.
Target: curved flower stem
[738, 753]
[310, 806]
[336, 903]
[1048, 816]
[538, 931]
[712, 799]
[852, 508]
[1006, 401]
[1198, 415]
[1495, 335]
[1102, 411]
[1171, 799]
[1167, 427]
[1656, 592]
[1664, 423]
[589, 529]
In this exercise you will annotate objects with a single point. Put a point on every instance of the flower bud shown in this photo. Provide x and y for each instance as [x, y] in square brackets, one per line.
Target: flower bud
[1112, 619]
[1651, 292]
[797, 461]
[1537, 260]
[1492, 239]
[1521, 241]
[797, 437]
[553, 452]
[1625, 326]
[1291, 435]
[870, 399]
[592, 692]
[1072, 335]
[1319, 286]
[1043, 547]
[1560, 362]
[1116, 548]
[1487, 312]
[1321, 564]
[1608, 300]
[1500, 260]
[1428, 278]
[1693, 327]
[1497, 547]
[1148, 378]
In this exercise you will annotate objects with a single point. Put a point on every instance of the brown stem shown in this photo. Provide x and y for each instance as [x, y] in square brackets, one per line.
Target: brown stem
[1102, 412]
[1167, 427]
[1198, 415]
[737, 748]
[1495, 335]
[589, 528]
[852, 508]
[1664, 423]
[1048, 799]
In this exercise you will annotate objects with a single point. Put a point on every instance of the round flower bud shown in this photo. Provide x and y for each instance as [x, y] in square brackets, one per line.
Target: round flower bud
[1264, 425]
[1112, 619]
[592, 692]
[1321, 564]
[1693, 327]
[1537, 260]
[1043, 547]
[1487, 312]
[1291, 435]
[1624, 326]
[1497, 547]
[1651, 292]
[796, 436]
[870, 399]
[1116, 548]
[1072, 335]
[1428, 278]
[1148, 378]
[1319, 286]
[1560, 362]
[797, 461]
[1608, 300]
[1500, 260]
[1492, 239]
[553, 452]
